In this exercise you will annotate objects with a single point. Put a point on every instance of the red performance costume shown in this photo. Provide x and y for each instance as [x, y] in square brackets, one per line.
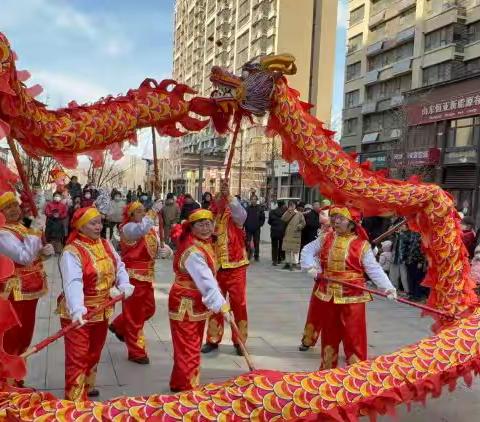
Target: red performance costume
[90, 267]
[232, 270]
[344, 256]
[194, 294]
[139, 247]
[29, 282]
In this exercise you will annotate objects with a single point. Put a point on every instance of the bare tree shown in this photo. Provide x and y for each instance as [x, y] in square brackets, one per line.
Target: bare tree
[38, 170]
[107, 174]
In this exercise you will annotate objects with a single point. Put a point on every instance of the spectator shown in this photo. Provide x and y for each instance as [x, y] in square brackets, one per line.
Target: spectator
[76, 204]
[146, 199]
[87, 199]
[312, 224]
[277, 231]
[255, 220]
[206, 200]
[294, 224]
[90, 187]
[398, 269]
[56, 212]
[139, 192]
[385, 259]
[74, 188]
[129, 196]
[468, 235]
[171, 215]
[189, 205]
[115, 214]
[416, 265]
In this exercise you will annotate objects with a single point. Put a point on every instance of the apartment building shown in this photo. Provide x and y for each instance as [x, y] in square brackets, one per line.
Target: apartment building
[229, 33]
[411, 66]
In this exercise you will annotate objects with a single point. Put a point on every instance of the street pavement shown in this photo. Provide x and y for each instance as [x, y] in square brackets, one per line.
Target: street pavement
[277, 304]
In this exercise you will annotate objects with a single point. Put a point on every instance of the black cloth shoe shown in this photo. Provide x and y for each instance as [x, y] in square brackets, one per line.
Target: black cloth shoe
[93, 393]
[303, 348]
[238, 349]
[144, 360]
[286, 267]
[209, 347]
[257, 258]
[112, 329]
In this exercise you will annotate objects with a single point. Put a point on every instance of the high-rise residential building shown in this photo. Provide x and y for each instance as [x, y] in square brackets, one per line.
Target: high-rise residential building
[228, 33]
[395, 46]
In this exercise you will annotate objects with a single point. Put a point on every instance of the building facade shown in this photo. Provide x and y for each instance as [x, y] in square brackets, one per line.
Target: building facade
[228, 33]
[395, 46]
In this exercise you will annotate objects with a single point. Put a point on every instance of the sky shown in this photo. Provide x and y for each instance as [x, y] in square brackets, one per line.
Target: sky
[85, 49]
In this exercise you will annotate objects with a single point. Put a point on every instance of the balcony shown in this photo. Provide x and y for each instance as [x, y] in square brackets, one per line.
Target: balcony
[374, 48]
[403, 5]
[369, 107]
[441, 54]
[371, 77]
[376, 19]
[448, 14]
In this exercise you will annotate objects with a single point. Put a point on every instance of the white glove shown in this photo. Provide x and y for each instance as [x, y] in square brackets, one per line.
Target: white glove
[47, 250]
[391, 294]
[375, 251]
[313, 272]
[78, 317]
[114, 292]
[127, 290]
[214, 300]
[157, 206]
[165, 252]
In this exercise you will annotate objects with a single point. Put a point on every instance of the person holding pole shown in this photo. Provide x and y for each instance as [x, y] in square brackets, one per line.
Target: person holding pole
[29, 282]
[343, 254]
[232, 260]
[194, 295]
[90, 269]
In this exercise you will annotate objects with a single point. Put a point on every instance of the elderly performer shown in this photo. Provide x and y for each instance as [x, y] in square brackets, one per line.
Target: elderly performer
[90, 268]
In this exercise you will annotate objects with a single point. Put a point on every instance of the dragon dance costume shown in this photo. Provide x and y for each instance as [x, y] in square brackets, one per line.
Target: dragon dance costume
[139, 246]
[28, 283]
[194, 295]
[89, 268]
[344, 257]
[232, 269]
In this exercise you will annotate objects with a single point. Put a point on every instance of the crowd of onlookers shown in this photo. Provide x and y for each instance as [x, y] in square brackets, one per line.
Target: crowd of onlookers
[292, 225]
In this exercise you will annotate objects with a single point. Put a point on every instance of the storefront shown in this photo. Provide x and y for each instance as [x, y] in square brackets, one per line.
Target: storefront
[447, 116]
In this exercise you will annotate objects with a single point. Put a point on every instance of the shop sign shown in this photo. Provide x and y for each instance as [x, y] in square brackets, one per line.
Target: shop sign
[460, 156]
[378, 160]
[428, 157]
[444, 109]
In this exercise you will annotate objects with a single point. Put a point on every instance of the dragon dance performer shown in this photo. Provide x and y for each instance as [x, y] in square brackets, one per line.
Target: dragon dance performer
[29, 282]
[90, 268]
[139, 246]
[232, 267]
[343, 254]
[194, 294]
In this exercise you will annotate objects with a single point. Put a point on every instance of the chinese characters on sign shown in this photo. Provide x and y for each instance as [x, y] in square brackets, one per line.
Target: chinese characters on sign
[430, 156]
[459, 106]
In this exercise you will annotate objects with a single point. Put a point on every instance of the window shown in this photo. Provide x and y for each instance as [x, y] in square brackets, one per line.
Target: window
[407, 18]
[352, 98]
[474, 32]
[438, 73]
[391, 56]
[390, 88]
[473, 66]
[438, 38]
[380, 121]
[350, 126]
[354, 43]
[353, 71]
[243, 12]
[378, 5]
[461, 132]
[357, 15]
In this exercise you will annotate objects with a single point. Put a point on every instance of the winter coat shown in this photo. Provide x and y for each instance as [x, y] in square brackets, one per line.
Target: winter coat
[74, 189]
[385, 259]
[255, 218]
[115, 214]
[295, 222]
[312, 224]
[277, 226]
[170, 215]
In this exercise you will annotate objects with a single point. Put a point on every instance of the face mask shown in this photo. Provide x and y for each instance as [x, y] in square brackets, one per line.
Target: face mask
[87, 196]
[117, 199]
[57, 199]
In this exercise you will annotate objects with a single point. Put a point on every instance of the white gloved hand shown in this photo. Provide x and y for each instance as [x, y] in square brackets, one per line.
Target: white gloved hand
[127, 290]
[165, 252]
[313, 272]
[47, 250]
[391, 294]
[157, 206]
[78, 316]
[375, 251]
[114, 292]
